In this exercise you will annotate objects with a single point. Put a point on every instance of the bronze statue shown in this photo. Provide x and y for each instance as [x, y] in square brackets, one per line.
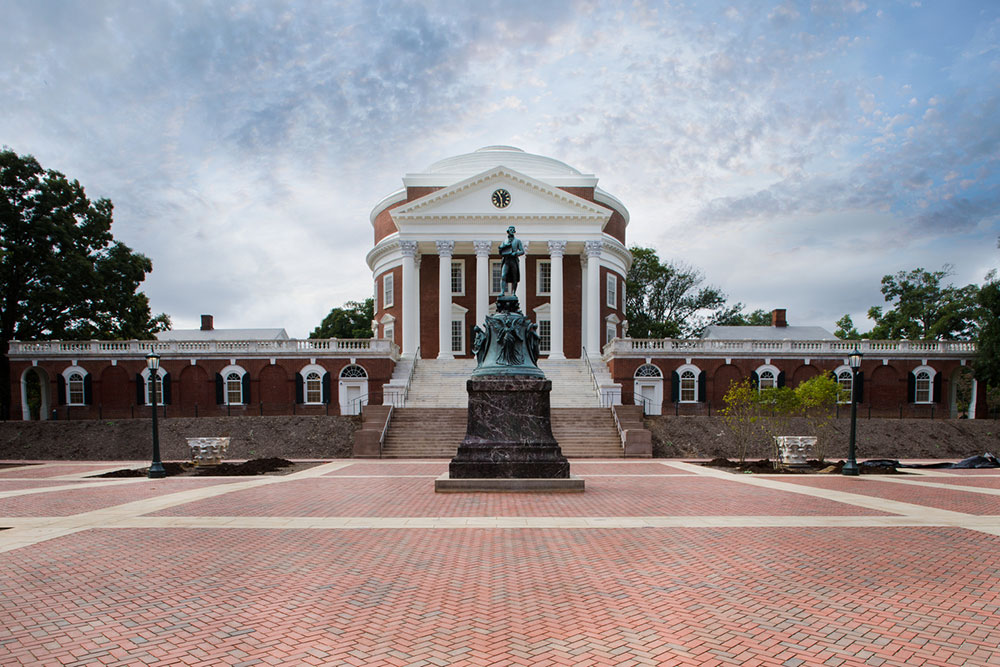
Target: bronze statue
[510, 270]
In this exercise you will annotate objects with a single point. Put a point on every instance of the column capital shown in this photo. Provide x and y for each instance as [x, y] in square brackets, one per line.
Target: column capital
[526, 244]
[593, 248]
[408, 248]
[445, 248]
[482, 248]
[557, 248]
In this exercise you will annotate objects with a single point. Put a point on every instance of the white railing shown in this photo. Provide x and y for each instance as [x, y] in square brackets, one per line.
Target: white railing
[644, 347]
[120, 348]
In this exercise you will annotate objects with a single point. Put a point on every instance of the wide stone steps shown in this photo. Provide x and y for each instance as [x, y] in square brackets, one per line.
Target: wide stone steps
[437, 432]
[440, 383]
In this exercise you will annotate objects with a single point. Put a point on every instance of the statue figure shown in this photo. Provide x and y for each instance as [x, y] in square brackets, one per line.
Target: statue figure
[510, 270]
[480, 343]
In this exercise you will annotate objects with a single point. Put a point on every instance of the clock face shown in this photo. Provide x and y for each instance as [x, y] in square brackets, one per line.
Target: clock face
[501, 198]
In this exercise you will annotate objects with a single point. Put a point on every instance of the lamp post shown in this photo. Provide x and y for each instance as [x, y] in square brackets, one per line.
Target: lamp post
[854, 361]
[156, 470]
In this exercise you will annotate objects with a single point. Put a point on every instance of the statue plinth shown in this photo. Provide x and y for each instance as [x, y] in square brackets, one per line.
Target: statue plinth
[509, 432]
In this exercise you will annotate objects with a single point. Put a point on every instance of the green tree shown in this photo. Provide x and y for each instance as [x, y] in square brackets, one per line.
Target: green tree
[757, 318]
[817, 398]
[352, 320]
[741, 416]
[666, 299]
[924, 310]
[987, 364]
[845, 329]
[63, 274]
[777, 407]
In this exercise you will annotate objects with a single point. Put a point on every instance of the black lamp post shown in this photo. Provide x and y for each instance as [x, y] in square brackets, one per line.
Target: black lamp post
[156, 470]
[854, 361]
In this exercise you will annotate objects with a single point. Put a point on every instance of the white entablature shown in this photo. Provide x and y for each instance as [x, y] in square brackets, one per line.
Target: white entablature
[470, 201]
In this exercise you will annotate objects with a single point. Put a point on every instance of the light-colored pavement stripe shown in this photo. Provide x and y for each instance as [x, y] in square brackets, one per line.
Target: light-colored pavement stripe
[936, 485]
[868, 502]
[67, 487]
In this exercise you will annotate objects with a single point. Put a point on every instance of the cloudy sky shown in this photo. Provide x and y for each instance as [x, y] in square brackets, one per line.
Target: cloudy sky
[795, 152]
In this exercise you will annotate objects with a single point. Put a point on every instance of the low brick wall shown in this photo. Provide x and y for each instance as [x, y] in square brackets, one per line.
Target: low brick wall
[252, 437]
[706, 437]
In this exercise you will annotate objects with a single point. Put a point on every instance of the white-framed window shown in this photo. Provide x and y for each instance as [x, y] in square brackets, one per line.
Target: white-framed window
[845, 379]
[353, 371]
[610, 332]
[923, 384]
[458, 277]
[160, 373]
[767, 377]
[232, 385]
[648, 371]
[312, 384]
[388, 291]
[314, 387]
[389, 331]
[612, 289]
[544, 277]
[496, 266]
[458, 336]
[76, 393]
[545, 336]
[687, 391]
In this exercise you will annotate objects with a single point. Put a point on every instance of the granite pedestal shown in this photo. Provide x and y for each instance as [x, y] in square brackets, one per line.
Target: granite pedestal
[508, 444]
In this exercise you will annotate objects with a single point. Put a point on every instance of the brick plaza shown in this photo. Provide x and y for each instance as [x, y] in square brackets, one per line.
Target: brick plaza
[360, 563]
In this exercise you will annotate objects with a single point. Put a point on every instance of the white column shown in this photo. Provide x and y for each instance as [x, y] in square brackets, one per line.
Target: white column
[482, 279]
[522, 287]
[416, 310]
[556, 250]
[445, 249]
[593, 325]
[584, 303]
[410, 298]
[972, 399]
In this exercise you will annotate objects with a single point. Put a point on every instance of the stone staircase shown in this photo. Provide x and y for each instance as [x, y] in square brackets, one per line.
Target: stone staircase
[437, 432]
[440, 383]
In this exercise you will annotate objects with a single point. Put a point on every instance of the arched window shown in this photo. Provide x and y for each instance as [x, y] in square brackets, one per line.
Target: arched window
[234, 388]
[353, 371]
[768, 380]
[75, 392]
[314, 387]
[924, 387]
[648, 371]
[148, 386]
[689, 387]
[845, 378]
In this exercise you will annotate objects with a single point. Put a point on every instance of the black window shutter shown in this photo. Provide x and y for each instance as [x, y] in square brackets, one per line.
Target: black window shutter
[166, 389]
[754, 380]
[781, 378]
[675, 387]
[937, 397]
[88, 390]
[220, 390]
[326, 388]
[61, 390]
[702, 387]
[299, 389]
[140, 390]
[246, 388]
[859, 387]
[911, 388]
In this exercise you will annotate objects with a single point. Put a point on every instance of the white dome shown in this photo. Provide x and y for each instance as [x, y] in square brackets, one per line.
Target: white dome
[470, 164]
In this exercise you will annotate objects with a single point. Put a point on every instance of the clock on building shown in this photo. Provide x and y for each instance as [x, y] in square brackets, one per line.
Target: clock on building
[501, 198]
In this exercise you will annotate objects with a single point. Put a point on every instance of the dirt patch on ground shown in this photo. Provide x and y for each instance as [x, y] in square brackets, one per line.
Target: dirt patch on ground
[706, 437]
[268, 466]
[816, 467]
[250, 437]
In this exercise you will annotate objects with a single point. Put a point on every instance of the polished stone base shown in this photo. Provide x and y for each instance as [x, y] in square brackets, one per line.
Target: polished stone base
[445, 484]
[509, 432]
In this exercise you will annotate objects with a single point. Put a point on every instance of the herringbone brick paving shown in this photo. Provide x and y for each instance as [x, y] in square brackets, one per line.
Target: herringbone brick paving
[946, 499]
[733, 590]
[633, 496]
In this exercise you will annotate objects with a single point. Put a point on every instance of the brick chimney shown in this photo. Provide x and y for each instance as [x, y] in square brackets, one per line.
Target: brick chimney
[207, 324]
[778, 318]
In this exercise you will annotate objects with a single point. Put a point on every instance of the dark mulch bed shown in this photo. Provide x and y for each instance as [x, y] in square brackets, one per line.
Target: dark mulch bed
[268, 466]
[16, 465]
[766, 467]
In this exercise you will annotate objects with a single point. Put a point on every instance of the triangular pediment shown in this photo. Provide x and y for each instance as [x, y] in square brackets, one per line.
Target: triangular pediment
[472, 201]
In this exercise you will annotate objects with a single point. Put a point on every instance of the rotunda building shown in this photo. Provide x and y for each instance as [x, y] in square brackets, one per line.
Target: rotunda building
[436, 264]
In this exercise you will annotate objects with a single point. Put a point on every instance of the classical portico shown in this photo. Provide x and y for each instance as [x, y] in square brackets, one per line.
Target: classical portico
[439, 238]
